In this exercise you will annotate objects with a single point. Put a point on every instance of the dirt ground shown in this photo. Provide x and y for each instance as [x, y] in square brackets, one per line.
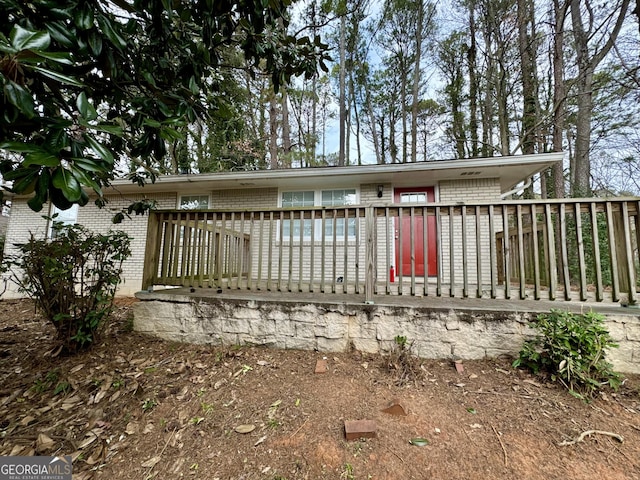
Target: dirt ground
[135, 407]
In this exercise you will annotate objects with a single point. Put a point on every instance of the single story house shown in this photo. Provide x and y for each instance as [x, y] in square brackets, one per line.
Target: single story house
[399, 251]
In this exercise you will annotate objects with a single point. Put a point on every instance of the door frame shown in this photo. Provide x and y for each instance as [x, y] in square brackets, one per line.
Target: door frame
[432, 266]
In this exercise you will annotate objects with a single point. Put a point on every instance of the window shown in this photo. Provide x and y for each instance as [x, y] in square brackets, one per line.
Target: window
[194, 202]
[325, 198]
[418, 197]
[336, 198]
[63, 217]
[297, 199]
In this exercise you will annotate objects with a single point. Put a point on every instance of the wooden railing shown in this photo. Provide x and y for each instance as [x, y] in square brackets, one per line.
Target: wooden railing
[581, 250]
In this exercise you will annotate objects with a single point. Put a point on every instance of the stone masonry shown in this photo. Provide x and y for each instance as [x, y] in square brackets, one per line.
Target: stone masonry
[439, 333]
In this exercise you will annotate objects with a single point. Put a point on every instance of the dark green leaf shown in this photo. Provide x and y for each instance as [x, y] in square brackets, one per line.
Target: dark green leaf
[95, 42]
[67, 183]
[61, 34]
[90, 165]
[100, 149]
[114, 37]
[23, 39]
[84, 17]
[25, 180]
[43, 158]
[58, 57]
[20, 98]
[35, 203]
[85, 179]
[58, 76]
[19, 147]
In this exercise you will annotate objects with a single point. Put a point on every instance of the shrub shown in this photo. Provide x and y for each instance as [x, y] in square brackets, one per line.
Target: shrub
[402, 363]
[73, 279]
[572, 348]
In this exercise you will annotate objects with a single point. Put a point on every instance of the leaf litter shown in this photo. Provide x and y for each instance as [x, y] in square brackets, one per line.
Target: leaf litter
[98, 419]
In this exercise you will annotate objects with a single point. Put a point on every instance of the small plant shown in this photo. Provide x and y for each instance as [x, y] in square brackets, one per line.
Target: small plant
[62, 387]
[117, 383]
[273, 423]
[41, 385]
[402, 363]
[73, 279]
[196, 420]
[207, 408]
[347, 474]
[571, 347]
[149, 404]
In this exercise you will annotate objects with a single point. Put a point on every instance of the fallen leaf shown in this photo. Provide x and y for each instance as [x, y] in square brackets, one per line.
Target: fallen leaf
[98, 456]
[77, 368]
[88, 441]
[15, 451]
[132, 428]
[27, 420]
[99, 396]
[245, 428]
[152, 462]
[44, 442]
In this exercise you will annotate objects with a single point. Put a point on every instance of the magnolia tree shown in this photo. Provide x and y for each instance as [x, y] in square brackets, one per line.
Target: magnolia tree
[86, 85]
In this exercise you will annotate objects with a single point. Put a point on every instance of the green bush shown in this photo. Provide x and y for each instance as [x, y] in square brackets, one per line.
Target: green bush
[73, 279]
[572, 348]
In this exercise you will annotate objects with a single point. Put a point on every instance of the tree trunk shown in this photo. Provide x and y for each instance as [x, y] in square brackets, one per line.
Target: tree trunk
[473, 83]
[286, 128]
[416, 84]
[273, 132]
[587, 63]
[356, 116]
[403, 107]
[374, 130]
[342, 94]
[559, 94]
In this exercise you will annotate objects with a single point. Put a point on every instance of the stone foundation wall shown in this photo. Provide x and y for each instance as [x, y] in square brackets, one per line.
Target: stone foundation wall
[438, 333]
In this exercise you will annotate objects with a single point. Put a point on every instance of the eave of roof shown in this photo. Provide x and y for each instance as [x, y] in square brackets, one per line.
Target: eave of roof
[510, 170]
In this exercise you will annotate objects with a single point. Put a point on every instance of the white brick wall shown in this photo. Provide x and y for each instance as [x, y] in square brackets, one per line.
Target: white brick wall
[25, 222]
[468, 191]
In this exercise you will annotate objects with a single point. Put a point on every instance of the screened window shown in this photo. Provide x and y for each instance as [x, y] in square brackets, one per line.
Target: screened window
[336, 198]
[325, 198]
[297, 199]
[194, 202]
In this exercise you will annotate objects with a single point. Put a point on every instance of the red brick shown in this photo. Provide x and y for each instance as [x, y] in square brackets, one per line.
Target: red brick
[395, 408]
[459, 366]
[355, 429]
[321, 366]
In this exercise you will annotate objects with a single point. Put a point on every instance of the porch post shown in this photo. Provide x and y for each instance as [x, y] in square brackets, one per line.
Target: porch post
[150, 267]
[370, 254]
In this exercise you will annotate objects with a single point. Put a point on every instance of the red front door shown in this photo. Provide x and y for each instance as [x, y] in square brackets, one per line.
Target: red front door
[419, 195]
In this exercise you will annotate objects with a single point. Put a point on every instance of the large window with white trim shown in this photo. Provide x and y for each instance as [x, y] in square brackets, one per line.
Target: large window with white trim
[313, 198]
